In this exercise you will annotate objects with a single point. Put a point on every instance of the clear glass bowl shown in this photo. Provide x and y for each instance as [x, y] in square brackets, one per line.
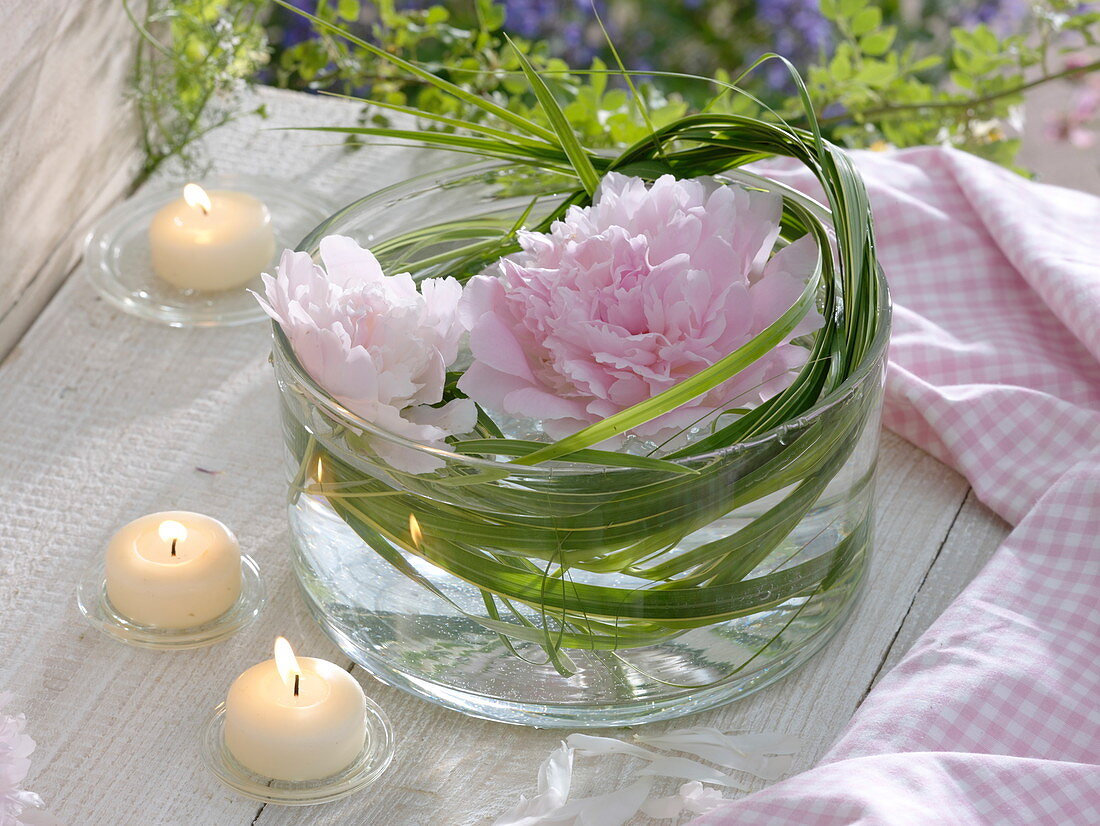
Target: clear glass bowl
[408, 574]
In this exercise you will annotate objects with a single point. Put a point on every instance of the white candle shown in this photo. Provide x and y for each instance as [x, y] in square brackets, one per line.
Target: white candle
[173, 570]
[295, 718]
[214, 241]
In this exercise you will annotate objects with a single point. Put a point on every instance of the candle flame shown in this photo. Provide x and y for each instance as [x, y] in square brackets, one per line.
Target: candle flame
[196, 196]
[285, 662]
[171, 529]
[414, 530]
[320, 470]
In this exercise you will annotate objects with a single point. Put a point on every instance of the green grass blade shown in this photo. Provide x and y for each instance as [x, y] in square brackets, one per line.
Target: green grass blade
[521, 123]
[567, 138]
[607, 458]
[445, 120]
[443, 140]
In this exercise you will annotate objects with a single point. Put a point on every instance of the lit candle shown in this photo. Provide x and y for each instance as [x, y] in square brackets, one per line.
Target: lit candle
[295, 718]
[173, 570]
[214, 241]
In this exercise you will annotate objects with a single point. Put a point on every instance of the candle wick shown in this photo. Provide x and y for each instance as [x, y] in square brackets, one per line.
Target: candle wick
[174, 547]
[297, 677]
[205, 211]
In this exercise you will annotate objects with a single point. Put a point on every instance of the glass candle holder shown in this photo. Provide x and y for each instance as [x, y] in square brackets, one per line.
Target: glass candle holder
[372, 762]
[91, 599]
[118, 258]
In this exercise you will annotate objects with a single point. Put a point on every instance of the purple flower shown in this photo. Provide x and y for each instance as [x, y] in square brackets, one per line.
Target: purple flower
[569, 29]
[799, 31]
[1003, 16]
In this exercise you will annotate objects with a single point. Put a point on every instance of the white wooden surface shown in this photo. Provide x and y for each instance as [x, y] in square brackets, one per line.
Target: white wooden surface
[104, 417]
[68, 141]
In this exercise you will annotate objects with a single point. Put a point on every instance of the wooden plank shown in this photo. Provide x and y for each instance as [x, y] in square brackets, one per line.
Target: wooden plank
[975, 534]
[105, 417]
[68, 144]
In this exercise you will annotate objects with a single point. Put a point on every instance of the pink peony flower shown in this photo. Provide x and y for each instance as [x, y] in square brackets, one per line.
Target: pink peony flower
[376, 343]
[624, 299]
[15, 751]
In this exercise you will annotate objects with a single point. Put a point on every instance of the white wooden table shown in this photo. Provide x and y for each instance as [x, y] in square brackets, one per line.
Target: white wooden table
[104, 417]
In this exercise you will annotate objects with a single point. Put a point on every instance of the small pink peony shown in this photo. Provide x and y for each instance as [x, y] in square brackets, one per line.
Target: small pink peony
[624, 299]
[377, 344]
[17, 805]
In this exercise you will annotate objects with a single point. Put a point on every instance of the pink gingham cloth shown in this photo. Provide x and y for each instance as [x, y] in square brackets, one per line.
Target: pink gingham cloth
[994, 715]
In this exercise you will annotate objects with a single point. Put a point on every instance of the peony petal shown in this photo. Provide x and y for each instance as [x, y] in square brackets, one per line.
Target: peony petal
[538, 404]
[347, 263]
[755, 753]
[628, 390]
[407, 459]
[552, 806]
[296, 271]
[611, 809]
[455, 417]
[664, 808]
[796, 260]
[592, 744]
[555, 777]
[36, 816]
[401, 457]
[346, 372]
[757, 227]
[480, 296]
[391, 420]
[494, 345]
[560, 428]
[265, 304]
[773, 296]
[396, 387]
[489, 387]
[782, 283]
[681, 767]
[693, 796]
[556, 773]
[432, 379]
[441, 299]
[15, 750]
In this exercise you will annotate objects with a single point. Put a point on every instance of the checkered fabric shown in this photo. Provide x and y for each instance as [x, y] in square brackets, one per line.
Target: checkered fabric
[994, 715]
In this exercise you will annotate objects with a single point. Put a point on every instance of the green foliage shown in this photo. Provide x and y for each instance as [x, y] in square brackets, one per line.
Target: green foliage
[474, 53]
[963, 89]
[882, 84]
[193, 56]
[909, 95]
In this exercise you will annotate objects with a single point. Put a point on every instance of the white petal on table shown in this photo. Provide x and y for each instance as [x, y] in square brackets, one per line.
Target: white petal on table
[766, 755]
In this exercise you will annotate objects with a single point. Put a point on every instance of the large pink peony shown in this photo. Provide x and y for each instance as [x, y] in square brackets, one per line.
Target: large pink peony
[376, 343]
[625, 298]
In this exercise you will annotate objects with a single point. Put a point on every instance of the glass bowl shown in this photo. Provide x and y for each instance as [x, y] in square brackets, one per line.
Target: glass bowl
[449, 585]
